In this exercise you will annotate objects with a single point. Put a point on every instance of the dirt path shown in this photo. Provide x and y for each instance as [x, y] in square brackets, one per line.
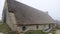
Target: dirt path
[57, 31]
[1, 33]
[49, 33]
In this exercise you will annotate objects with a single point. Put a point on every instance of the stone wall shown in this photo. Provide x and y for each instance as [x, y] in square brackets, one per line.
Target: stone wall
[19, 29]
[11, 21]
[32, 27]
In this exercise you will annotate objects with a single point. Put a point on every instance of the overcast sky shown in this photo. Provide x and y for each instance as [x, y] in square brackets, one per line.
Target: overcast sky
[52, 6]
[1, 7]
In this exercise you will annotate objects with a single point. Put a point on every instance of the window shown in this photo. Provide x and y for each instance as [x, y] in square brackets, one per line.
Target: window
[23, 28]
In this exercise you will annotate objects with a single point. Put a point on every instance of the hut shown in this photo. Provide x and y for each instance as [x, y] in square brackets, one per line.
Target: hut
[21, 17]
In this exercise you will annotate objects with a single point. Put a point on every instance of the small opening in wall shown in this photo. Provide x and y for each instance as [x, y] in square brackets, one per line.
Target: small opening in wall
[11, 11]
[37, 26]
[24, 28]
[49, 25]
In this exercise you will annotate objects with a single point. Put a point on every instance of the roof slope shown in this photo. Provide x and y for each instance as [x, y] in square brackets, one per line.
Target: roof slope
[27, 15]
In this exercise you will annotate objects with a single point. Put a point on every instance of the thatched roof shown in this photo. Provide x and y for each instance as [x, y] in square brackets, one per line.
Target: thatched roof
[27, 15]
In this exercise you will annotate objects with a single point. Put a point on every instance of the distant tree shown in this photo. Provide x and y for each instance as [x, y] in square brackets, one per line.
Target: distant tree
[1, 22]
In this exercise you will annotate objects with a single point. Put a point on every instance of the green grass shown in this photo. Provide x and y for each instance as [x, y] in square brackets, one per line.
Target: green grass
[57, 28]
[39, 32]
[53, 32]
[35, 32]
[4, 28]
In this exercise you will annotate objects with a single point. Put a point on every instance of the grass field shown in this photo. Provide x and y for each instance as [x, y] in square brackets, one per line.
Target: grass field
[5, 29]
[35, 32]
